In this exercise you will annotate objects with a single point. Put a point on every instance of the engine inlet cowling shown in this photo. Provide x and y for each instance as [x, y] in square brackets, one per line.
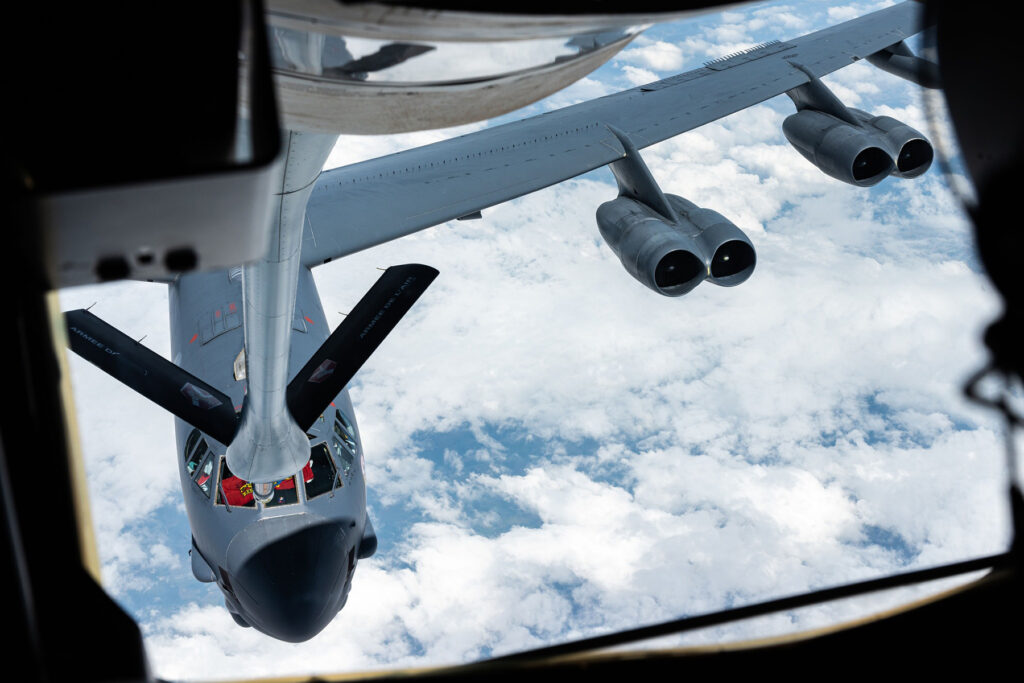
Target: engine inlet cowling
[731, 256]
[855, 155]
[653, 251]
[910, 150]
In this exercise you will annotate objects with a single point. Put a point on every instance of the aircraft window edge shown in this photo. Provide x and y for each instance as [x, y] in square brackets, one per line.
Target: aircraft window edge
[347, 439]
[196, 457]
[345, 423]
[206, 463]
[334, 477]
[201, 461]
[190, 442]
[221, 491]
[284, 494]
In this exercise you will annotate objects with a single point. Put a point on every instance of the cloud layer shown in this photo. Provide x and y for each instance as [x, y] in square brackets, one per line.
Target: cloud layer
[554, 451]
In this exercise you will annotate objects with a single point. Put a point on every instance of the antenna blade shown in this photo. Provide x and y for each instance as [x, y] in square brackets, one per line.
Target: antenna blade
[357, 337]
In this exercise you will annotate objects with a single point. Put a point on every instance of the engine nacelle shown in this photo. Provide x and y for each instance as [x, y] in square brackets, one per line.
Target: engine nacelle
[730, 254]
[910, 149]
[901, 61]
[672, 258]
[650, 248]
[849, 153]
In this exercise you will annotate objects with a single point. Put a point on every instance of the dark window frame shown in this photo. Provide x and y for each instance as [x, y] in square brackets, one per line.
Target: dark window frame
[190, 443]
[218, 499]
[318, 479]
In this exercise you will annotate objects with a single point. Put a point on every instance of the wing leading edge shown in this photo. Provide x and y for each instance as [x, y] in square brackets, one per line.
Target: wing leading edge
[365, 204]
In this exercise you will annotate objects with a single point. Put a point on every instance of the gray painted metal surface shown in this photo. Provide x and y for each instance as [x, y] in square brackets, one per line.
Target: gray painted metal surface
[269, 445]
[356, 207]
[194, 303]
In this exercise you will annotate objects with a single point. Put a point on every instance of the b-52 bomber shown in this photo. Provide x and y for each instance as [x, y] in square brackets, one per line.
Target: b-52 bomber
[271, 460]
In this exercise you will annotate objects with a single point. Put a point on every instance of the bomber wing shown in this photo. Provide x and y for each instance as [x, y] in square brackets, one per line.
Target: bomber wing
[365, 204]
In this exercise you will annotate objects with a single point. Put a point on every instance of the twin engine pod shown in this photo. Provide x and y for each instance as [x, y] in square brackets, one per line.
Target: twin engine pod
[862, 154]
[674, 257]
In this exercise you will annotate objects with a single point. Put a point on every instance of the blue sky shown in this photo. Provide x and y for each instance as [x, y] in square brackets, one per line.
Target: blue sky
[554, 451]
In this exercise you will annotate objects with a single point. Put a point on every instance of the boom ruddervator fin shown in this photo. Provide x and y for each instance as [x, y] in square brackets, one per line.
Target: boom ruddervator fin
[340, 357]
[151, 375]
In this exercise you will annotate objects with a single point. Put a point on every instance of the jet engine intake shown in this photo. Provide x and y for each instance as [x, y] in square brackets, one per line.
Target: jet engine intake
[731, 255]
[849, 153]
[910, 149]
[652, 250]
[672, 255]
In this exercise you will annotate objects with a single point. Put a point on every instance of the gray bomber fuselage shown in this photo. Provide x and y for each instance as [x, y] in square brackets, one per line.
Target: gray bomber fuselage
[284, 568]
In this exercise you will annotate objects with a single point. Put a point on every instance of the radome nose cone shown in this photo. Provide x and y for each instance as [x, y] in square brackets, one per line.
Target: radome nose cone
[287, 572]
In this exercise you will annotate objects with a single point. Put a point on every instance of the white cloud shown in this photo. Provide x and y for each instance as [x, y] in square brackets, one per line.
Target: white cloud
[854, 10]
[663, 457]
[164, 558]
[636, 76]
[355, 148]
[581, 91]
[728, 34]
[131, 473]
[659, 56]
[844, 13]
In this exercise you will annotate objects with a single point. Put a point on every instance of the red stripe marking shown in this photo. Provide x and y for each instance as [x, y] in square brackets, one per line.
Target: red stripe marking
[193, 338]
[217, 314]
[308, 320]
[231, 307]
[332, 403]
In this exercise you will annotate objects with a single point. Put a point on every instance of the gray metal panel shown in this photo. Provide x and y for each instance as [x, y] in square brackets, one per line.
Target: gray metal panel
[268, 445]
[369, 203]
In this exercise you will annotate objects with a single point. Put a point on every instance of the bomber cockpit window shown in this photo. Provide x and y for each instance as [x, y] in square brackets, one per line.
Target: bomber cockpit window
[191, 441]
[284, 493]
[323, 471]
[343, 438]
[199, 462]
[193, 461]
[203, 476]
[347, 459]
[237, 491]
[193, 454]
[343, 428]
[346, 425]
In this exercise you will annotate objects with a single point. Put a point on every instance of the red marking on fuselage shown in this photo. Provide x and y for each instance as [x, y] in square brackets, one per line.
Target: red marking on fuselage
[231, 307]
[332, 403]
[216, 313]
[308, 320]
[193, 338]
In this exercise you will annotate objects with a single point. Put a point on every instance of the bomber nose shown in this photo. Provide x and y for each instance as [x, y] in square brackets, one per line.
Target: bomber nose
[288, 573]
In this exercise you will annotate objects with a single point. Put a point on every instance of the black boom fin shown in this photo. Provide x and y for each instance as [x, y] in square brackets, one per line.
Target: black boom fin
[358, 336]
[151, 375]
